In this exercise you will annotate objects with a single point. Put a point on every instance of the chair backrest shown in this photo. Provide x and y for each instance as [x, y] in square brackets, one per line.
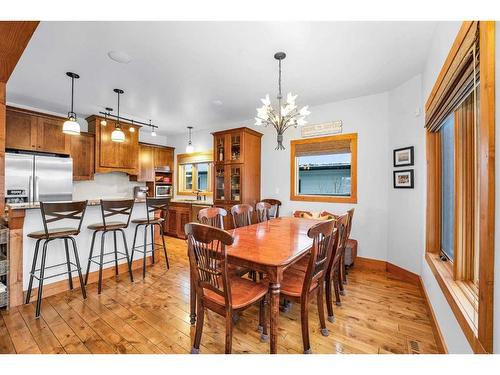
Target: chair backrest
[349, 224]
[154, 205]
[213, 216]
[323, 235]
[121, 208]
[275, 210]
[57, 211]
[208, 259]
[341, 225]
[242, 215]
[263, 210]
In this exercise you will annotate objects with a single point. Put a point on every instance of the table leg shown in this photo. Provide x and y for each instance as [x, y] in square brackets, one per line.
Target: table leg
[192, 294]
[274, 291]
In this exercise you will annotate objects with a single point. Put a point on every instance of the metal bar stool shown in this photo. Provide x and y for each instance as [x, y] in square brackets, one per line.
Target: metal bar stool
[122, 209]
[153, 205]
[51, 213]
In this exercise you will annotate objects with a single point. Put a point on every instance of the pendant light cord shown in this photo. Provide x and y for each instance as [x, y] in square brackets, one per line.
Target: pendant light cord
[118, 112]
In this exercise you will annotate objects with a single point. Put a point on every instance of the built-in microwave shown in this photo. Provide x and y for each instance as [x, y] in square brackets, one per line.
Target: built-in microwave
[163, 190]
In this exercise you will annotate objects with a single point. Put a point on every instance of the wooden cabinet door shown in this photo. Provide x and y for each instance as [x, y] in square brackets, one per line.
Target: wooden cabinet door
[20, 131]
[163, 157]
[184, 217]
[171, 225]
[235, 182]
[146, 163]
[234, 141]
[50, 137]
[82, 153]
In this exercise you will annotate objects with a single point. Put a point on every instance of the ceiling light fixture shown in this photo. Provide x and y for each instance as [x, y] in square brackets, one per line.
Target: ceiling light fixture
[118, 135]
[104, 121]
[153, 132]
[71, 126]
[131, 129]
[190, 147]
[120, 57]
[283, 117]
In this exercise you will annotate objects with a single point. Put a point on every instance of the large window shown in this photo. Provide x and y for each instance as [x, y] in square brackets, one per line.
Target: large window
[459, 123]
[324, 169]
[194, 173]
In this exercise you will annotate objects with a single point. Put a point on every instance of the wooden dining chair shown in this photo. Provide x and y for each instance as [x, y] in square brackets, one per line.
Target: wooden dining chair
[275, 207]
[333, 271]
[351, 248]
[213, 216]
[298, 286]
[216, 289]
[242, 215]
[263, 210]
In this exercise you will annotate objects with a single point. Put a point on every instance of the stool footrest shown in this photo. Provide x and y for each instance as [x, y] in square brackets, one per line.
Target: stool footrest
[73, 269]
[140, 248]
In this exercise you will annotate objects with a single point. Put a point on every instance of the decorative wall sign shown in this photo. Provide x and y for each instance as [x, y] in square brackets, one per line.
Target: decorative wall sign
[403, 157]
[403, 179]
[327, 128]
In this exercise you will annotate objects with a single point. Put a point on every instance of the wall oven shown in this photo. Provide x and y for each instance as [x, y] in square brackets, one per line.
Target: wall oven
[163, 190]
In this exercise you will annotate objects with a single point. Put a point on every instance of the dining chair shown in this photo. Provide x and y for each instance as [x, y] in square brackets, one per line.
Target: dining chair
[275, 204]
[263, 211]
[216, 289]
[333, 270]
[298, 286]
[213, 216]
[242, 215]
[351, 248]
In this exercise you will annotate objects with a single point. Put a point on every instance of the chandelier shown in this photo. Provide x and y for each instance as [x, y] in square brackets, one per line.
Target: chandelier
[285, 116]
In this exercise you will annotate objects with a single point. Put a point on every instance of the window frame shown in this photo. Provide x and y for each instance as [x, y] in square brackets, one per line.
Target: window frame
[194, 159]
[295, 196]
[460, 294]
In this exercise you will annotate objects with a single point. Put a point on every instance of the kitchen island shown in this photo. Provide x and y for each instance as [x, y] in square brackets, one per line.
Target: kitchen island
[24, 218]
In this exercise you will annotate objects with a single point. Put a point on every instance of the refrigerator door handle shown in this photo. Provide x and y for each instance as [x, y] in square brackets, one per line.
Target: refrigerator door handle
[37, 191]
[30, 189]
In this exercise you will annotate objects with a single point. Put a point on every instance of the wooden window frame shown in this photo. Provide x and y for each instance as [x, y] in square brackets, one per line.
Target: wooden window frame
[477, 327]
[353, 198]
[194, 159]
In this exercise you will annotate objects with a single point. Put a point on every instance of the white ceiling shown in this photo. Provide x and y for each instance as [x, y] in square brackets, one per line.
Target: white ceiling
[180, 70]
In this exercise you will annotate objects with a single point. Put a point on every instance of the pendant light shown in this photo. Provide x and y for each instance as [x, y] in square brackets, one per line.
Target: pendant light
[131, 129]
[118, 135]
[104, 122]
[153, 132]
[190, 147]
[71, 126]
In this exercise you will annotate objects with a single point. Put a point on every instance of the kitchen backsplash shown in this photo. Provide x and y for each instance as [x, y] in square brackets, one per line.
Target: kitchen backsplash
[105, 186]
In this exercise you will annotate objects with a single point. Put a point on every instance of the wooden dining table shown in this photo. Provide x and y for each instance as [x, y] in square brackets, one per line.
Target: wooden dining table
[269, 247]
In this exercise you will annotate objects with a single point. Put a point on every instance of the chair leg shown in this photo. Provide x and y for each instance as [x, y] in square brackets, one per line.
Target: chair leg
[229, 331]
[192, 298]
[144, 248]
[129, 260]
[40, 283]
[70, 277]
[199, 328]
[90, 257]
[304, 320]
[340, 281]
[101, 260]
[116, 253]
[336, 288]
[79, 269]
[33, 268]
[152, 243]
[344, 269]
[133, 243]
[164, 246]
[321, 310]
[329, 302]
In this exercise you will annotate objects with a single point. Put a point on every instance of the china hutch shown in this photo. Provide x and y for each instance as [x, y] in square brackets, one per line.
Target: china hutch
[236, 169]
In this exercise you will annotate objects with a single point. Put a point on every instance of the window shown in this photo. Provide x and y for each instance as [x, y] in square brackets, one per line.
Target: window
[194, 173]
[324, 169]
[459, 121]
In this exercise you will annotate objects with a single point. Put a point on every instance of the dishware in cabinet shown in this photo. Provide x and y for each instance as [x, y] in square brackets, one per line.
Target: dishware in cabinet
[220, 183]
[235, 183]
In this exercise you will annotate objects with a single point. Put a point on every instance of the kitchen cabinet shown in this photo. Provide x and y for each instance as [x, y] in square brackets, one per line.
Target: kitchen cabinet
[146, 163]
[164, 157]
[180, 214]
[82, 153]
[115, 156]
[35, 131]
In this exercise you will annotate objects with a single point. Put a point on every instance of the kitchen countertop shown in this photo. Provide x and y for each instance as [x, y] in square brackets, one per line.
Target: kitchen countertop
[207, 202]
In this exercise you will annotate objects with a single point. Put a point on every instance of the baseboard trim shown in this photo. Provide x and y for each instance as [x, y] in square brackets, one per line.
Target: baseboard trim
[408, 276]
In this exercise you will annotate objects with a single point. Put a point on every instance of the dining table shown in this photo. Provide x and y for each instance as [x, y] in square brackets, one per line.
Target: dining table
[269, 247]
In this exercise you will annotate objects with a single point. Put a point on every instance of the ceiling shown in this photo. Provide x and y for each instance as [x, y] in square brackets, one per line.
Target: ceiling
[206, 73]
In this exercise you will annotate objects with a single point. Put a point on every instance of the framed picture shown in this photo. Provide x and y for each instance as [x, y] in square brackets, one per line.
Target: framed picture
[403, 157]
[403, 179]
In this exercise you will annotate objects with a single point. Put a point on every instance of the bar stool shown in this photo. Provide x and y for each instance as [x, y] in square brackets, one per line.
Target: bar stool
[51, 213]
[152, 205]
[122, 209]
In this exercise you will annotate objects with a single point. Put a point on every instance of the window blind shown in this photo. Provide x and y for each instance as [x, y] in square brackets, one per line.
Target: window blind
[341, 146]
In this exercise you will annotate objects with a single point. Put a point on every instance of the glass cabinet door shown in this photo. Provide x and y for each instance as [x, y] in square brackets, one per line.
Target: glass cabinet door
[220, 149]
[235, 147]
[220, 193]
[235, 184]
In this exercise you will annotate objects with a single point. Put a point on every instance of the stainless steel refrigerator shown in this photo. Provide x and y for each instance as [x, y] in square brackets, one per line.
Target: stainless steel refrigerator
[38, 178]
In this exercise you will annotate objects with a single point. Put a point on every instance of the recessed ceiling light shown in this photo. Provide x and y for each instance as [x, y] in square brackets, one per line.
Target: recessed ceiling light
[120, 57]
[217, 102]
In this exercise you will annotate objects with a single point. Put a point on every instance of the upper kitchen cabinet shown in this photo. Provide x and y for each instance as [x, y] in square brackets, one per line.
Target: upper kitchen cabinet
[163, 157]
[154, 157]
[229, 146]
[34, 131]
[82, 153]
[115, 156]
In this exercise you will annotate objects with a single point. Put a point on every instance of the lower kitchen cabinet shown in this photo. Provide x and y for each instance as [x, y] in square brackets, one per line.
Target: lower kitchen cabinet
[179, 215]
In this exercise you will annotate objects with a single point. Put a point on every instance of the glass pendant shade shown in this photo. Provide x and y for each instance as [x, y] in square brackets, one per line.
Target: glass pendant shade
[190, 148]
[71, 126]
[153, 133]
[104, 122]
[131, 129]
[118, 135]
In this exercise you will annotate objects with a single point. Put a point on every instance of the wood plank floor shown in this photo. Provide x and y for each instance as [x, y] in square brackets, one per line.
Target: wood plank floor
[379, 314]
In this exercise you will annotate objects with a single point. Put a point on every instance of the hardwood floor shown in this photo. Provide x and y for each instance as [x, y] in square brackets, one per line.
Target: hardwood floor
[379, 314]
